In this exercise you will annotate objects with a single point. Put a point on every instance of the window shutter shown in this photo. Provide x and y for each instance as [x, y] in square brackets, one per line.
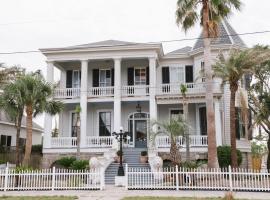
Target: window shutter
[112, 76]
[131, 76]
[147, 75]
[237, 123]
[95, 77]
[189, 74]
[69, 79]
[165, 75]
[249, 124]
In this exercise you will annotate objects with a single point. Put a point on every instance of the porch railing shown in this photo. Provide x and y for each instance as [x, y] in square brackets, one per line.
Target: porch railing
[192, 88]
[135, 90]
[99, 141]
[194, 141]
[64, 93]
[61, 142]
[101, 91]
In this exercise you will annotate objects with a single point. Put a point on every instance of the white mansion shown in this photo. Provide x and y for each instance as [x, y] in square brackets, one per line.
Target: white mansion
[129, 84]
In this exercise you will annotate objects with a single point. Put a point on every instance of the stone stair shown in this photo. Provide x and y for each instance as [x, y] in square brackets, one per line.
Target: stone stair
[131, 157]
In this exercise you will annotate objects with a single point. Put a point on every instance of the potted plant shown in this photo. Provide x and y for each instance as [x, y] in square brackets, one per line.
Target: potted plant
[257, 151]
[144, 157]
[117, 157]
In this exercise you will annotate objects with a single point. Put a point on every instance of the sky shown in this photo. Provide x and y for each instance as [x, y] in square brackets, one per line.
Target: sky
[32, 24]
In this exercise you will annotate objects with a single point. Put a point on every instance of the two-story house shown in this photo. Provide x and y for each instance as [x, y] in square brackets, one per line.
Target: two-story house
[125, 84]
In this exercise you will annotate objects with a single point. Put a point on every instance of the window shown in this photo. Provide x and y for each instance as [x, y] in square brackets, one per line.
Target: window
[76, 79]
[5, 140]
[177, 75]
[104, 123]
[140, 76]
[74, 127]
[240, 124]
[176, 114]
[202, 69]
[105, 78]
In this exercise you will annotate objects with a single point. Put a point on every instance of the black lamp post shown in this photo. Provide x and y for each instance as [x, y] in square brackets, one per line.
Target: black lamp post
[120, 136]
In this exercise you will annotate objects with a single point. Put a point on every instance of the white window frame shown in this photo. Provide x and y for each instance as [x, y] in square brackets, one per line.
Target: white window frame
[203, 68]
[97, 118]
[140, 82]
[178, 68]
[106, 84]
[171, 109]
[70, 122]
[77, 85]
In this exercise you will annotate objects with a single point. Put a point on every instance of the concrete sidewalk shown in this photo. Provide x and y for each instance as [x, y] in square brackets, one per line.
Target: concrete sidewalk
[117, 193]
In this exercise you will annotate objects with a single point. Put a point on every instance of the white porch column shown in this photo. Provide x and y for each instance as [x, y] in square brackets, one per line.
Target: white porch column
[152, 90]
[218, 122]
[83, 101]
[48, 117]
[117, 95]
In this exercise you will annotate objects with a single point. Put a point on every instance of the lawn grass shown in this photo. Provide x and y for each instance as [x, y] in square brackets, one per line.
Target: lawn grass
[39, 198]
[170, 198]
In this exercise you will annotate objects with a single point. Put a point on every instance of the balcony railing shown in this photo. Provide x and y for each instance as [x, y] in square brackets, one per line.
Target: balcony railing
[63, 142]
[101, 91]
[66, 93]
[135, 90]
[192, 88]
[99, 141]
[194, 141]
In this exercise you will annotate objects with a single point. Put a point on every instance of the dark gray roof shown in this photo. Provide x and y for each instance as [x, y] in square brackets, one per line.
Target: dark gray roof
[6, 119]
[183, 50]
[105, 43]
[227, 36]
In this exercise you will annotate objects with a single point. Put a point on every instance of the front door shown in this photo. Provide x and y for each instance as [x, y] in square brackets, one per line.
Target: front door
[140, 133]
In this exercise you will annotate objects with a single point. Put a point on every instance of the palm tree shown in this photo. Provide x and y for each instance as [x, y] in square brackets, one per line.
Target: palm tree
[78, 130]
[232, 71]
[209, 13]
[183, 89]
[35, 93]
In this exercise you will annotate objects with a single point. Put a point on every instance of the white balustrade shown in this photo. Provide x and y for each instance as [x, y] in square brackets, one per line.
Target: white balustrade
[101, 91]
[63, 142]
[164, 141]
[99, 141]
[63, 93]
[135, 90]
[192, 88]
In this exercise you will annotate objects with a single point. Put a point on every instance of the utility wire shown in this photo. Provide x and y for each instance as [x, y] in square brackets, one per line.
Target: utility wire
[130, 44]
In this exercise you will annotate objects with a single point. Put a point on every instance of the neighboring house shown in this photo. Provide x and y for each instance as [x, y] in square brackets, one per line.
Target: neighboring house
[130, 84]
[8, 132]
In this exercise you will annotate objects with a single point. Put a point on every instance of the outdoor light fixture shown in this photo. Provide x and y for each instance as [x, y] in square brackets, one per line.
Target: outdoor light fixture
[138, 107]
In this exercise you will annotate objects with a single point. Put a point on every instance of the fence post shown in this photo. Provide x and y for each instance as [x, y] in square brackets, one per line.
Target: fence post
[6, 179]
[102, 178]
[230, 178]
[126, 176]
[53, 179]
[177, 177]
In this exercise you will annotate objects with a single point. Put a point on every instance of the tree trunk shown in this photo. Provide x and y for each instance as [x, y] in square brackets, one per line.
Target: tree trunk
[185, 106]
[233, 89]
[211, 132]
[18, 133]
[78, 154]
[175, 156]
[28, 145]
[268, 156]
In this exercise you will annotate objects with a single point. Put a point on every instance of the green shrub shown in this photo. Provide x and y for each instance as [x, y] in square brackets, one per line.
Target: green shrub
[144, 153]
[118, 153]
[2, 161]
[80, 164]
[224, 156]
[37, 148]
[190, 164]
[66, 162]
[20, 169]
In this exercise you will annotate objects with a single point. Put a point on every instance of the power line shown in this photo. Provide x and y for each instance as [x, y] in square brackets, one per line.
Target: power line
[130, 44]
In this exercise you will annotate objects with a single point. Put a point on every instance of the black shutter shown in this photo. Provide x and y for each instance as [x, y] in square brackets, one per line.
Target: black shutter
[95, 77]
[131, 76]
[112, 77]
[147, 75]
[249, 124]
[189, 74]
[69, 79]
[237, 122]
[165, 75]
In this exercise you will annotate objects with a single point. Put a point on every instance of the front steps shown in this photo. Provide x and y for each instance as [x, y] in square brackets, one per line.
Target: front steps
[131, 157]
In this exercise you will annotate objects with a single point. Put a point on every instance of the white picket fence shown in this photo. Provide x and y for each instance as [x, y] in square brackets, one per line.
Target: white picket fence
[198, 179]
[52, 179]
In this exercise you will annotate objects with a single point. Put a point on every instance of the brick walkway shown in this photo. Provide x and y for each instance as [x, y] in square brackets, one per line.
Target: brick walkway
[113, 193]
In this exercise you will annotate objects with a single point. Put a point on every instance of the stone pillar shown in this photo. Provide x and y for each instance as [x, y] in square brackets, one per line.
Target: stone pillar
[83, 101]
[218, 122]
[152, 90]
[48, 117]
